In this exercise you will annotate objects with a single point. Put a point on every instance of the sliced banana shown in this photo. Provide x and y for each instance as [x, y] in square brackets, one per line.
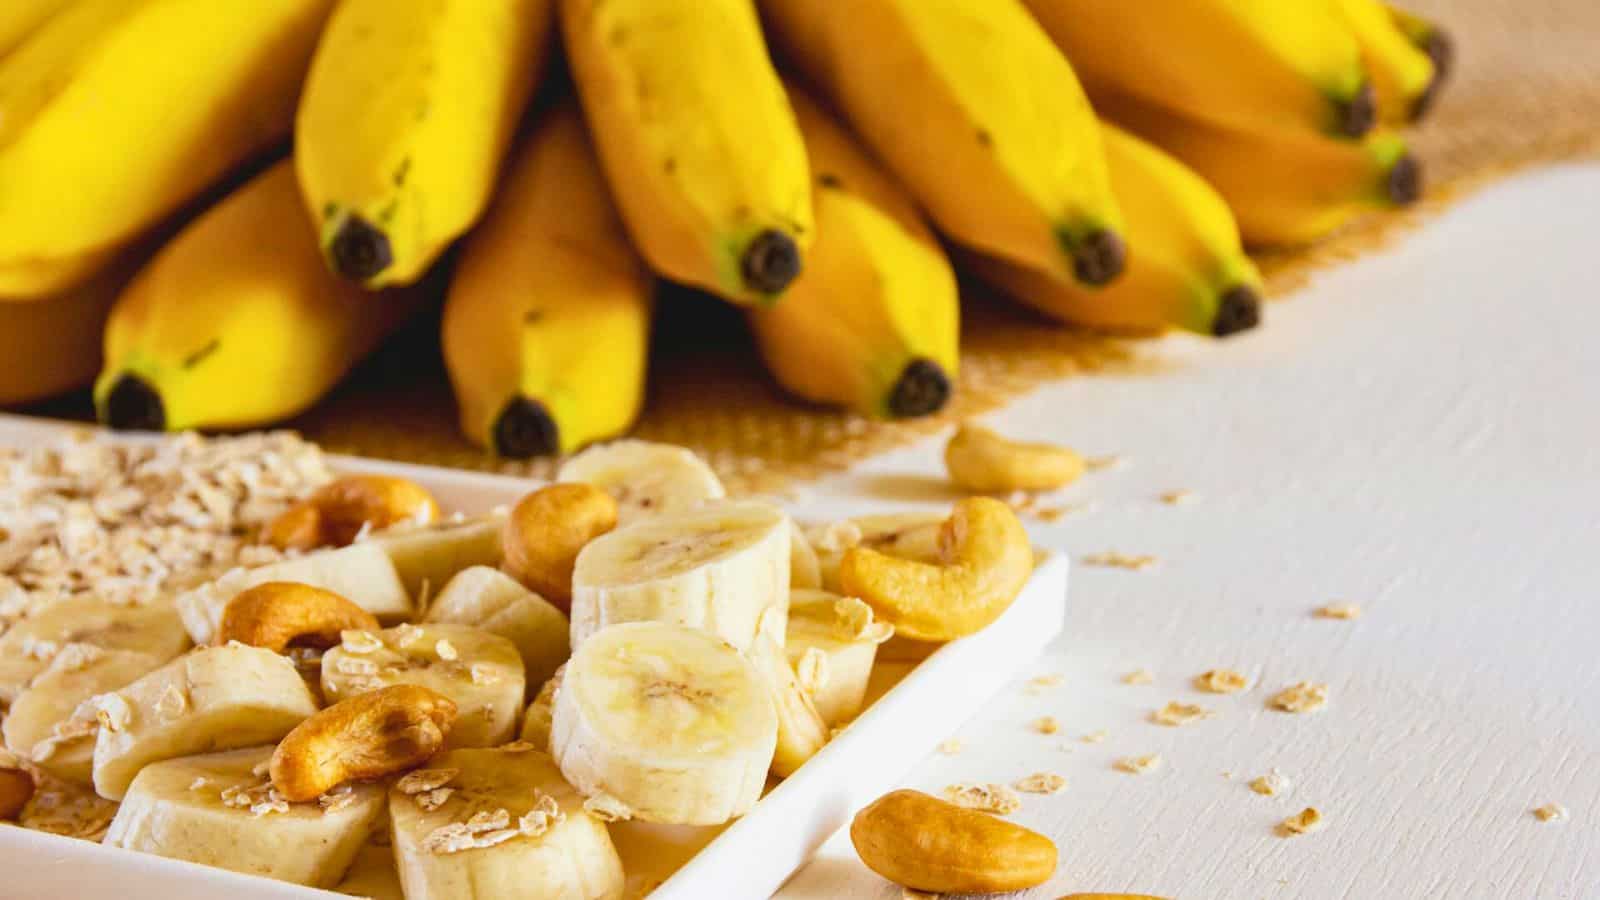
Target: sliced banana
[499, 824]
[361, 573]
[479, 671]
[215, 698]
[832, 644]
[27, 648]
[801, 730]
[906, 535]
[664, 723]
[645, 478]
[720, 567]
[372, 875]
[536, 721]
[489, 599]
[427, 558]
[51, 725]
[217, 811]
[805, 570]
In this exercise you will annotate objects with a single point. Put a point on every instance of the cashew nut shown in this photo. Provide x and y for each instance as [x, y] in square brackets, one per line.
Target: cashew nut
[16, 789]
[339, 510]
[278, 613]
[984, 561]
[981, 461]
[367, 736]
[546, 530]
[924, 843]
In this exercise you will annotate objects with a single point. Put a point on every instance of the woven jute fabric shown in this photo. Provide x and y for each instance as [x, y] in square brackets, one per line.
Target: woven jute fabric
[1525, 91]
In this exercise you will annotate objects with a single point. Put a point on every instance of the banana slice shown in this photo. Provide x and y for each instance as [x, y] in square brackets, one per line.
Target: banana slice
[489, 599]
[499, 824]
[832, 644]
[645, 478]
[479, 671]
[27, 648]
[805, 570]
[801, 731]
[373, 875]
[536, 721]
[51, 725]
[217, 811]
[216, 698]
[720, 567]
[664, 723]
[907, 535]
[427, 558]
[361, 573]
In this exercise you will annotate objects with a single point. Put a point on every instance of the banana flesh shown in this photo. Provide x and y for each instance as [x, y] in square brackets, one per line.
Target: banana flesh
[427, 558]
[645, 478]
[801, 729]
[26, 649]
[50, 725]
[495, 602]
[372, 875]
[832, 643]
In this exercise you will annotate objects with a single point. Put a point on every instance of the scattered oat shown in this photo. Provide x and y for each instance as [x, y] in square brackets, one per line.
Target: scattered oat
[1109, 463]
[1339, 611]
[544, 815]
[1221, 681]
[1139, 676]
[1178, 497]
[950, 746]
[607, 808]
[173, 703]
[484, 829]
[355, 665]
[989, 798]
[113, 712]
[1303, 697]
[1303, 822]
[1114, 559]
[429, 801]
[483, 673]
[446, 650]
[359, 641]
[337, 798]
[1041, 783]
[421, 780]
[1042, 682]
[1139, 765]
[518, 747]
[406, 634]
[1046, 725]
[1095, 737]
[1271, 784]
[1175, 714]
[1552, 812]
[812, 671]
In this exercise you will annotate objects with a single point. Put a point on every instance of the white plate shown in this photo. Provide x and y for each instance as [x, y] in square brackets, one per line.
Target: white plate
[751, 858]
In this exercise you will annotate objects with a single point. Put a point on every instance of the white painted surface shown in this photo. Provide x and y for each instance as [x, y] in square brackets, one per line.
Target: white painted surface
[1419, 433]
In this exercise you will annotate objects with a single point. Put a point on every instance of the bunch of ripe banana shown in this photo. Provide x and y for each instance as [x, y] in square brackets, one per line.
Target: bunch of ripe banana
[1106, 163]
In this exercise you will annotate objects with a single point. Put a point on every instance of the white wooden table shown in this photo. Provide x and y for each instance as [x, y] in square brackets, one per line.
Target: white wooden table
[1418, 433]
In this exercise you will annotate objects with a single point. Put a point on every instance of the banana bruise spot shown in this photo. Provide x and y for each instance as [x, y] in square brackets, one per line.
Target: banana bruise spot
[1404, 181]
[525, 429]
[359, 250]
[922, 389]
[1359, 114]
[1442, 51]
[1099, 258]
[1238, 310]
[133, 405]
[771, 262]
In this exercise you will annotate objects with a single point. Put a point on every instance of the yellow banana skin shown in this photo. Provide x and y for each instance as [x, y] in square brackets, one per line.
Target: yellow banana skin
[1244, 63]
[697, 140]
[1186, 266]
[115, 113]
[1402, 73]
[408, 111]
[872, 324]
[1433, 41]
[18, 18]
[236, 322]
[1285, 186]
[547, 326]
[977, 113]
[52, 346]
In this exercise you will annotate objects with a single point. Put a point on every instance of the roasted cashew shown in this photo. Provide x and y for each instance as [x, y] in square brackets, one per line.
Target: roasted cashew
[927, 844]
[370, 735]
[275, 614]
[16, 789]
[981, 461]
[341, 509]
[546, 530]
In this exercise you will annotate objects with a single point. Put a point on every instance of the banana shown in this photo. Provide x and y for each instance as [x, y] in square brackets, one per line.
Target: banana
[536, 721]
[19, 18]
[697, 138]
[906, 535]
[54, 341]
[1284, 186]
[28, 648]
[723, 567]
[547, 325]
[236, 322]
[479, 671]
[215, 698]
[427, 558]
[218, 809]
[645, 478]
[664, 723]
[185, 90]
[495, 602]
[510, 828]
[50, 725]
[832, 642]
[801, 729]
[1431, 40]
[1241, 63]
[361, 573]
[407, 112]
[805, 570]
[1403, 75]
[981, 117]
[871, 324]
[372, 874]
[1187, 268]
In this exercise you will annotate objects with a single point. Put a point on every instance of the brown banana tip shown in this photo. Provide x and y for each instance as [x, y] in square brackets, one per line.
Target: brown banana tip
[771, 262]
[525, 429]
[1098, 259]
[922, 389]
[133, 405]
[1405, 181]
[1359, 114]
[1239, 310]
[359, 250]
[1441, 48]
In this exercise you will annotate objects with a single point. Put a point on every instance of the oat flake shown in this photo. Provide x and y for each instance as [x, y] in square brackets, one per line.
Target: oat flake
[1041, 783]
[1303, 822]
[1175, 714]
[1221, 681]
[1303, 697]
[1139, 765]
[989, 798]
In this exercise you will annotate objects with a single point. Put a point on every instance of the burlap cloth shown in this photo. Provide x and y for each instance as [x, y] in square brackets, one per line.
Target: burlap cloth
[1526, 91]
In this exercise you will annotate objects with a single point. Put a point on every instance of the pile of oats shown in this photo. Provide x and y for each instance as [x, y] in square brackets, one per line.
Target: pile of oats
[130, 521]
[989, 798]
